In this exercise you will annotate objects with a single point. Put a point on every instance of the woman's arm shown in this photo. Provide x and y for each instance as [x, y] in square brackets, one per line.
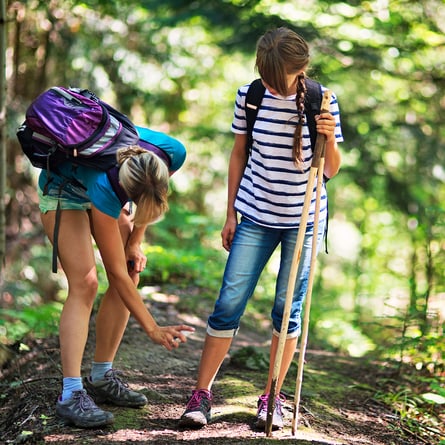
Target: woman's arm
[136, 260]
[109, 242]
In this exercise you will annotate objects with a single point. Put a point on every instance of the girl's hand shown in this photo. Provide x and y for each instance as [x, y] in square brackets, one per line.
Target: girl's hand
[228, 232]
[170, 336]
[326, 125]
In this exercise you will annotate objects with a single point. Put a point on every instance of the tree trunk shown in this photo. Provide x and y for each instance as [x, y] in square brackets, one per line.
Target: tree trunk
[3, 44]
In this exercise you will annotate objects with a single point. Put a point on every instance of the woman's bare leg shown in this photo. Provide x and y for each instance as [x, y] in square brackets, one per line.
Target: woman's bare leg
[112, 316]
[77, 259]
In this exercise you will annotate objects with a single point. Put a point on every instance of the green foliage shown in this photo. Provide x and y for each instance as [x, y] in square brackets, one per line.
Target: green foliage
[176, 65]
[419, 413]
[29, 321]
[251, 358]
[179, 267]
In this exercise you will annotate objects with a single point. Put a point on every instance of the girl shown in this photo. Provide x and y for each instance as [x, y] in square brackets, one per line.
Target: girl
[92, 207]
[267, 189]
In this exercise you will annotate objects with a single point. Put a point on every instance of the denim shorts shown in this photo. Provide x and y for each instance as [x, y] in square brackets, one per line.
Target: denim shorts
[72, 195]
[251, 249]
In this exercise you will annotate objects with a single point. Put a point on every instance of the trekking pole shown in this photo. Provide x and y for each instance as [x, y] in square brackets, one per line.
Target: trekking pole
[318, 152]
[307, 308]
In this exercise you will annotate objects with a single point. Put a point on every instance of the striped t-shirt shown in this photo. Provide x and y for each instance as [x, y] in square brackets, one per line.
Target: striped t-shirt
[272, 189]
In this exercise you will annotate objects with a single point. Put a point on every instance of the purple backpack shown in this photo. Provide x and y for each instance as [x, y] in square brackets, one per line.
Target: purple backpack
[73, 124]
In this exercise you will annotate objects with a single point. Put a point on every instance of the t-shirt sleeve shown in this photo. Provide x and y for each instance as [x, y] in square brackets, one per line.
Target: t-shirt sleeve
[100, 191]
[335, 111]
[172, 147]
[103, 197]
[239, 122]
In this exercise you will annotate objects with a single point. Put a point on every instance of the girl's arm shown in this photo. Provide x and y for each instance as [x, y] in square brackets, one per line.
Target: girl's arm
[109, 242]
[326, 125]
[237, 164]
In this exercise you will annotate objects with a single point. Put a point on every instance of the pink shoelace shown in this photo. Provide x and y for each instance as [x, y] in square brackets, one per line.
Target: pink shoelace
[197, 396]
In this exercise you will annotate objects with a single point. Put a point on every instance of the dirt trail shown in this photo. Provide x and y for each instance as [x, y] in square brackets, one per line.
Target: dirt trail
[347, 416]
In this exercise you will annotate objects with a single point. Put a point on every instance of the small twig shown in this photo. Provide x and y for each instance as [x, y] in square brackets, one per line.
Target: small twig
[29, 416]
[38, 379]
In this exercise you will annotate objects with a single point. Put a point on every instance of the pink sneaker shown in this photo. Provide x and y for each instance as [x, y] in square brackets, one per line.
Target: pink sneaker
[277, 418]
[197, 412]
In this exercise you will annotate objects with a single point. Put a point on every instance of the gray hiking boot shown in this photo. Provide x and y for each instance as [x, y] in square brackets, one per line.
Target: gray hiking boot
[111, 389]
[277, 418]
[197, 412]
[81, 411]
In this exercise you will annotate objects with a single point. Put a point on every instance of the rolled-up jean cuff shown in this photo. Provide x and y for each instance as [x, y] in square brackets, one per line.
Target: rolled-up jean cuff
[294, 334]
[229, 333]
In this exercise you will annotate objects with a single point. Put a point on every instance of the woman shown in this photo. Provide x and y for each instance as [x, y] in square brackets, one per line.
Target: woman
[267, 190]
[92, 207]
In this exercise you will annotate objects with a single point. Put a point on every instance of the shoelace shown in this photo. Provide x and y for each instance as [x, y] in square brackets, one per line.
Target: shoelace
[264, 400]
[85, 401]
[196, 398]
[113, 375]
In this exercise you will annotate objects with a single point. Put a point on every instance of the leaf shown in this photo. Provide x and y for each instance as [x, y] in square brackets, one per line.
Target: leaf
[433, 398]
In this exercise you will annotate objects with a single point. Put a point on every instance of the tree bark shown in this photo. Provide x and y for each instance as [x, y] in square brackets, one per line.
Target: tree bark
[3, 36]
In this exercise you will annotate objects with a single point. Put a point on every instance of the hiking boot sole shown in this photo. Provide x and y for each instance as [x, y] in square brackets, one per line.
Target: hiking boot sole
[97, 395]
[85, 423]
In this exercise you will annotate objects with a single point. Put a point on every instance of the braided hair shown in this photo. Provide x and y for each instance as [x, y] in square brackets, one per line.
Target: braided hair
[280, 53]
[297, 154]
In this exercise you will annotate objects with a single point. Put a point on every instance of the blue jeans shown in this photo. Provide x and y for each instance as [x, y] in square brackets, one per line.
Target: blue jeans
[251, 249]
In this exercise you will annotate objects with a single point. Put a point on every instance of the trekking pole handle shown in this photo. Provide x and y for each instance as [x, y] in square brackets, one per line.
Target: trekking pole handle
[319, 148]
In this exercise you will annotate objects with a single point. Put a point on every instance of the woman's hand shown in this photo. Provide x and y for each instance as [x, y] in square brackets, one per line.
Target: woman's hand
[170, 336]
[136, 260]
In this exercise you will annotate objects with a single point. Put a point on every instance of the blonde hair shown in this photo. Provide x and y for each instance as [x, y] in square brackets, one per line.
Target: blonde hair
[281, 52]
[144, 177]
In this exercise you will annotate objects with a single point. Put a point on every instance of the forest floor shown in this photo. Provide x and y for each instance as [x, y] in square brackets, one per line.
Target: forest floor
[337, 405]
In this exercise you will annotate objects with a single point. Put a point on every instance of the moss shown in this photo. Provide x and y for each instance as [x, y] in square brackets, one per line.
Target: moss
[129, 418]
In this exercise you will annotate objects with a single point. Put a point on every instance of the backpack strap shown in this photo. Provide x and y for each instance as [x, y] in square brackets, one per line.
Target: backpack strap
[113, 177]
[254, 97]
[312, 103]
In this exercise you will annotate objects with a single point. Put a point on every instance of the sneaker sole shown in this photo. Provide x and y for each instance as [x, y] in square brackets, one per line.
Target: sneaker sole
[192, 423]
[261, 425]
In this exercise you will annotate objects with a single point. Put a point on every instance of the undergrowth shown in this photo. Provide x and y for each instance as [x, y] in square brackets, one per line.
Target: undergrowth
[32, 299]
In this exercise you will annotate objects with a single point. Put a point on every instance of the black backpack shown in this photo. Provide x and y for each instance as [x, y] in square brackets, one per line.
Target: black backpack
[312, 104]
